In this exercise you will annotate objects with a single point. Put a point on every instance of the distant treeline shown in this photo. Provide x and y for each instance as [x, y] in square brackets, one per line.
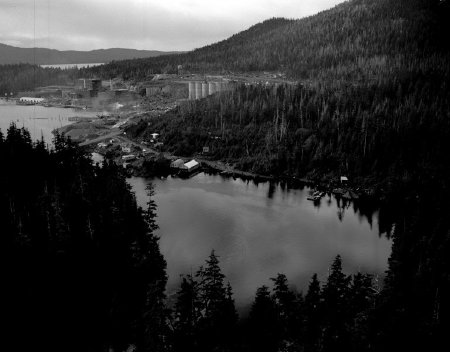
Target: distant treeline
[25, 77]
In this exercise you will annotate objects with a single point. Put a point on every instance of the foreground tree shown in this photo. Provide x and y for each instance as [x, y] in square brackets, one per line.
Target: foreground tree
[205, 315]
[84, 267]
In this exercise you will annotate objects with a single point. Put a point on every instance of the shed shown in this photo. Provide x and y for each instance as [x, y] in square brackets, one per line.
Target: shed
[128, 157]
[177, 164]
[344, 179]
[192, 165]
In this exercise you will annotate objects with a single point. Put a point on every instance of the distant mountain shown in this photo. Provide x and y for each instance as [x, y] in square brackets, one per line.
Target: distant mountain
[41, 56]
[358, 38]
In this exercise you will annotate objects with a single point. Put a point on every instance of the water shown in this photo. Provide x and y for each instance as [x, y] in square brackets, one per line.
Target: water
[39, 120]
[259, 231]
[68, 66]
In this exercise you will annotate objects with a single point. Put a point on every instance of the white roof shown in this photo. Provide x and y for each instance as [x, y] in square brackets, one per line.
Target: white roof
[191, 164]
[344, 178]
[31, 99]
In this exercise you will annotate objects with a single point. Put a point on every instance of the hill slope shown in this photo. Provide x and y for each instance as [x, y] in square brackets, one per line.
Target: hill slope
[41, 56]
[358, 38]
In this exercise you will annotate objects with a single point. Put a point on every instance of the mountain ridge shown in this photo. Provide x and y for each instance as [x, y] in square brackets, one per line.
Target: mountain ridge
[44, 56]
[375, 37]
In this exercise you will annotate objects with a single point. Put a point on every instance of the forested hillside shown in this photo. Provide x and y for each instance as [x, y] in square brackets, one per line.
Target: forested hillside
[385, 124]
[359, 40]
[22, 77]
[81, 266]
[373, 103]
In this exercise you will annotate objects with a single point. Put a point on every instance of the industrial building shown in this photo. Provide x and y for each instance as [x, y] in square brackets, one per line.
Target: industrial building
[30, 100]
[202, 89]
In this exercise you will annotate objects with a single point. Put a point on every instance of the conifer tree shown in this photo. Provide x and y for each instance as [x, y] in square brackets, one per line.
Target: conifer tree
[264, 328]
[313, 316]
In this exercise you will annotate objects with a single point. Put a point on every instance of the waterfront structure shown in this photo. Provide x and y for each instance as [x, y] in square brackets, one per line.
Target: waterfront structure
[191, 166]
[31, 100]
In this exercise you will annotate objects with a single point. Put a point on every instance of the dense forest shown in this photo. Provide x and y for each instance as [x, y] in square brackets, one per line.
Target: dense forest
[83, 271]
[391, 133]
[378, 125]
[82, 267]
[359, 40]
[25, 77]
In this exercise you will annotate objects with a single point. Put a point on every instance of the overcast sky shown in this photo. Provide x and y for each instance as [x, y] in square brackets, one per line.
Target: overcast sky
[139, 24]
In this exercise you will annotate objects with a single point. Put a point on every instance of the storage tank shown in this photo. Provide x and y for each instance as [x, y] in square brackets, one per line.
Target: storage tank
[198, 90]
[191, 90]
[204, 90]
[224, 86]
[211, 88]
[218, 87]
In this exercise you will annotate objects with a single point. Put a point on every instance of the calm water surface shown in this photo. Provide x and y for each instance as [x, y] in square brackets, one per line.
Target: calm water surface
[258, 231]
[39, 120]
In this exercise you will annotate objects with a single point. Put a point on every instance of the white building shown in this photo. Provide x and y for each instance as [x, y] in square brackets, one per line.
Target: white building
[128, 157]
[31, 100]
[191, 165]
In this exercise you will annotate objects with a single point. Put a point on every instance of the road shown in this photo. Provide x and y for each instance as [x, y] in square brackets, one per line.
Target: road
[101, 138]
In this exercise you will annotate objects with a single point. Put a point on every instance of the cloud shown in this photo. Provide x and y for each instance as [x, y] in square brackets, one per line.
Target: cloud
[140, 24]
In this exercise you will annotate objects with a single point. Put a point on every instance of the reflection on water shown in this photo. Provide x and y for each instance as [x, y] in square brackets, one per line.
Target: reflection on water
[259, 230]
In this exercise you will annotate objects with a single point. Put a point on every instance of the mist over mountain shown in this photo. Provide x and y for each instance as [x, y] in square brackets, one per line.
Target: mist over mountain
[42, 56]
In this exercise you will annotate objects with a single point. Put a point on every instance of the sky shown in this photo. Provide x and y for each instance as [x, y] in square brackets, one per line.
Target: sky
[167, 25]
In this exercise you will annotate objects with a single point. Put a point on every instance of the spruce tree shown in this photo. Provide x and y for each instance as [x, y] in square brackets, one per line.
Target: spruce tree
[264, 328]
[312, 316]
[335, 308]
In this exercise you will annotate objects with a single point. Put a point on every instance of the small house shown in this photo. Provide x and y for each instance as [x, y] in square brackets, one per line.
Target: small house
[128, 157]
[344, 179]
[177, 164]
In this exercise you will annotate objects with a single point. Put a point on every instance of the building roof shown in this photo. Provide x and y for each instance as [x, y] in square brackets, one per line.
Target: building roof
[31, 99]
[177, 163]
[191, 164]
